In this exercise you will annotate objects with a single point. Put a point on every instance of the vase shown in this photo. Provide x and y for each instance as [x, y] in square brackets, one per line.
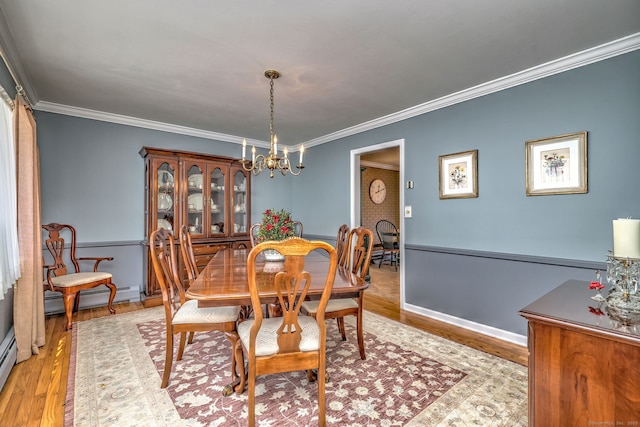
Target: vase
[273, 255]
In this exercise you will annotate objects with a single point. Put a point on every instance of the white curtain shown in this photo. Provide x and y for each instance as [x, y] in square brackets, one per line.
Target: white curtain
[9, 253]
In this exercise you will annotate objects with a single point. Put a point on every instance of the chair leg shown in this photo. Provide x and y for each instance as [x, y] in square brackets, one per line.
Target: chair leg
[321, 397]
[76, 303]
[191, 334]
[112, 295]
[251, 404]
[360, 334]
[381, 260]
[340, 321]
[168, 358]
[183, 339]
[239, 360]
[68, 300]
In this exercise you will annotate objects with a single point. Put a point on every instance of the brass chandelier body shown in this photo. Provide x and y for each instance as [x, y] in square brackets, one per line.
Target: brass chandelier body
[272, 162]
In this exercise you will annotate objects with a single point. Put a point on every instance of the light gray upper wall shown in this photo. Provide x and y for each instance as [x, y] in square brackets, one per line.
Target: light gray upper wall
[92, 175]
[602, 99]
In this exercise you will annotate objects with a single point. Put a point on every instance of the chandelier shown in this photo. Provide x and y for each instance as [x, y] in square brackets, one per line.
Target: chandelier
[272, 162]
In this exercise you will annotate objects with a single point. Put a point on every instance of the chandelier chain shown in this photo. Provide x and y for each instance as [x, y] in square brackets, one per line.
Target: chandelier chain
[271, 131]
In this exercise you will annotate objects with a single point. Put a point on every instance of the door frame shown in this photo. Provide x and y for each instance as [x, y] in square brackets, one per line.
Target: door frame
[356, 194]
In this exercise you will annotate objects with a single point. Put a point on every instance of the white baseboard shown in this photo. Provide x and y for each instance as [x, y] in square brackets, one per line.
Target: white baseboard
[8, 354]
[90, 298]
[467, 324]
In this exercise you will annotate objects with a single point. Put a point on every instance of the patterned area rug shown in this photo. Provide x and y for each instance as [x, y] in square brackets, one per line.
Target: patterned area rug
[410, 378]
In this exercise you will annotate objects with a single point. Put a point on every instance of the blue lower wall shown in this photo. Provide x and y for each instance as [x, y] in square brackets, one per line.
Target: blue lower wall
[484, 287]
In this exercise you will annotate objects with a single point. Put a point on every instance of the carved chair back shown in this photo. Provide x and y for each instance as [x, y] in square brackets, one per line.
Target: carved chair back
[342, 245]
[186, 248]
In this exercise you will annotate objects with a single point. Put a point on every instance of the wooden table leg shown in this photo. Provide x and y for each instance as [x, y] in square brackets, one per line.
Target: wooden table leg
[238, 371]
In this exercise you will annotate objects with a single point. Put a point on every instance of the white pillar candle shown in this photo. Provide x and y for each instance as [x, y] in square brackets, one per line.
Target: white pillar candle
[626, 238]
[301, 152]
[244, 148]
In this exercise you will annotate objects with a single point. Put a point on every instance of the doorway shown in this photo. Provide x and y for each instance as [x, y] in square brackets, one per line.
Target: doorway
[380, 164]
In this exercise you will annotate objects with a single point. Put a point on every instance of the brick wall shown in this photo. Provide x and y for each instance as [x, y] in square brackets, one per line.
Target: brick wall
[390, 208]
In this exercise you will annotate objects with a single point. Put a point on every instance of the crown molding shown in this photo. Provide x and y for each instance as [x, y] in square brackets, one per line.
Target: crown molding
[576, 60]
[580, 59]
[68, 110]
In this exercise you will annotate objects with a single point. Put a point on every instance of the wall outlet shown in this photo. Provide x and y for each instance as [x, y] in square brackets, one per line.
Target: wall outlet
[407, 211]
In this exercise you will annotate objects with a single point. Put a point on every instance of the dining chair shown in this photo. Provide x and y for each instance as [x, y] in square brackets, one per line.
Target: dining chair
[182, 315]
[342, 245]
[253, 233]
[359, 257]
[292, 342]
[59, 277]
[297, 227]
[188, 257]
[390, 240]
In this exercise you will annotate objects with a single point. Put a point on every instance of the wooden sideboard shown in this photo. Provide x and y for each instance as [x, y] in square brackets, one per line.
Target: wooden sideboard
[584, 364]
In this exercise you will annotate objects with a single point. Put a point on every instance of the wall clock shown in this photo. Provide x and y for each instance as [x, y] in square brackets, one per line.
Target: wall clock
[377, 191]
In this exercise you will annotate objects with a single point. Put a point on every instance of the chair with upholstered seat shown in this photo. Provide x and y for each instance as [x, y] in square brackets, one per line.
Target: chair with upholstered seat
[342, 245]
[189, 259]
[182, 315]
[59, 279]
[390, 240]
[292, 342]
[358, 254]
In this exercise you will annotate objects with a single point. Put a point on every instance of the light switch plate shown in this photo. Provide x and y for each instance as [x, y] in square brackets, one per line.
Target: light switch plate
[407, 211]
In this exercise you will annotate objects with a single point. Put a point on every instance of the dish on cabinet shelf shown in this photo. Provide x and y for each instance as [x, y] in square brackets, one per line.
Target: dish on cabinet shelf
[216, 187]
[163, 223]
[195, 180]
[165, 202]
[165, 179]
[196, 201]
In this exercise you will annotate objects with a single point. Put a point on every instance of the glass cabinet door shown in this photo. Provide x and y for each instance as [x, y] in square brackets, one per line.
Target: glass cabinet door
[195, 200]
[165, 207]
[240, 217]
[217, 203]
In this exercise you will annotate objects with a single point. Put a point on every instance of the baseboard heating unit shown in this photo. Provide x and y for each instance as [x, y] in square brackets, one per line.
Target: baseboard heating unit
[8, 353]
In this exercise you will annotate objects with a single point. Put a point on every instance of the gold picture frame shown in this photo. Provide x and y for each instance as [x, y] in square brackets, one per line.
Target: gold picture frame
[557, 165]
[459, 175]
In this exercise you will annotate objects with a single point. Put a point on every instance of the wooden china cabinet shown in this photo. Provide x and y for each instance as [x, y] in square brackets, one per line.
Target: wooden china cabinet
[209, 194]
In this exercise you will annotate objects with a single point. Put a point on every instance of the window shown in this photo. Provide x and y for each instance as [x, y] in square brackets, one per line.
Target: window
[9, 252]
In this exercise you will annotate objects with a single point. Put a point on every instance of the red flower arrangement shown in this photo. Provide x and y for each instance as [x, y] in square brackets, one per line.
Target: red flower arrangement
[275, 225]
[596, 285]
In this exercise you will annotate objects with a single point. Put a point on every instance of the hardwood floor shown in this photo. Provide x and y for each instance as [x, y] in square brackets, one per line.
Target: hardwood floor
[34, 394]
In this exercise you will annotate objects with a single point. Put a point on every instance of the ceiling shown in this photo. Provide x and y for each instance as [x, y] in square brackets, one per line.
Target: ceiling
[200, 64]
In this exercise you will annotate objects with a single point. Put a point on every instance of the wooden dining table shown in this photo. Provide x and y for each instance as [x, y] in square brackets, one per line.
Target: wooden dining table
[224, 282]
